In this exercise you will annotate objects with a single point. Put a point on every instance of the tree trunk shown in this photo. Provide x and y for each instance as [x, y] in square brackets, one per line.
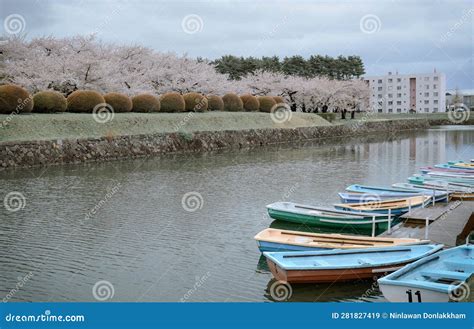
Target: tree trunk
[352, 114]
[343, 114]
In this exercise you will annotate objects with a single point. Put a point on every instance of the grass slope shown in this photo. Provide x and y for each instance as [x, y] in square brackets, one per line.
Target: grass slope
[30, 127]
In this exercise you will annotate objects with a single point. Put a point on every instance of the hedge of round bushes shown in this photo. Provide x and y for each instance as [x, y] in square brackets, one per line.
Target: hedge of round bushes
[16, 99]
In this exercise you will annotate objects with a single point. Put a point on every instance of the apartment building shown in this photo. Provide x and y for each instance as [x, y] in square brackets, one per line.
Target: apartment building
[404, 93]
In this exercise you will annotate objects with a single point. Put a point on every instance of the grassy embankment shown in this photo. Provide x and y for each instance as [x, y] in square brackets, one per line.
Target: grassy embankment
[32, 127]
[76, 125]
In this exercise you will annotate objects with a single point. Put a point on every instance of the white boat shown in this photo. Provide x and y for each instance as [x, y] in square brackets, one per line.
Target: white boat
[440, 277]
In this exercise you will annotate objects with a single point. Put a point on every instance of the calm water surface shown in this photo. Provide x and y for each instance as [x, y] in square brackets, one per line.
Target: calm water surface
[124, 222]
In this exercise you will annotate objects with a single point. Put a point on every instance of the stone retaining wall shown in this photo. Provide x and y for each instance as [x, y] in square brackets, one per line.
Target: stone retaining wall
[42, 153]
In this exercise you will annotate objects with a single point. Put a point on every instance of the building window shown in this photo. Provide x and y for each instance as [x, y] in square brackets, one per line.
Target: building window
[435, 94]
[390, 80]
[427, 109]
[427, 86]
[399, 110]
[399, 80]
[399, 87]
[427, 78]
[379, 110]
[379, 89]
[427, 101]
[379, 95]
[435, 101]
[399, 95]
[380, 81]
[435, 78]
[390, 110]
[399, 102]
[435, 109]
[389, 87]
[390, 95]
[390, 102]
[427, 94]
[435, 86]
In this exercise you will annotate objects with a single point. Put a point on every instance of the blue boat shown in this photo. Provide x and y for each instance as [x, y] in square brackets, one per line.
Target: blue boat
[440, 196]
[380, 190]
[343, 265]
[394, 207]
[437, 278]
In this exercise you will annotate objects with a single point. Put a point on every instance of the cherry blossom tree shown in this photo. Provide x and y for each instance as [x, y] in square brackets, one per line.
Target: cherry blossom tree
[82, 62]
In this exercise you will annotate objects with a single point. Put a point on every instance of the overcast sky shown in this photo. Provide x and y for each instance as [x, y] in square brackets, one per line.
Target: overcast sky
[392, 35]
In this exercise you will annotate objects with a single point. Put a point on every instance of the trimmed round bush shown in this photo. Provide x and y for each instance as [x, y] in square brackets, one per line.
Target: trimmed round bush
[250, 102]
[279, 99]
[13, 98]
[84, 101]
[215, 103]
[195, 102]
[49, 101]
[172, 102]
[119, 102]
[145, 103]
[232, 103]
[266, 103]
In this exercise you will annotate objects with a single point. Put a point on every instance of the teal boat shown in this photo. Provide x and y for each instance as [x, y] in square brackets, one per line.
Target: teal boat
[440, 277]
[326, 217]
[420, 179]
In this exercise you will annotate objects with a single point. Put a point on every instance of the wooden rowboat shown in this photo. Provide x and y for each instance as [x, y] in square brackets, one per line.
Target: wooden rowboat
[463, 165]
[343, 265]
[395, 207]
[436, 278]
[443, 175]
[444, 168]
[272, 239]
[379, 190]
[326, 217]
[439, 196]
[456, 191]
[417, 179]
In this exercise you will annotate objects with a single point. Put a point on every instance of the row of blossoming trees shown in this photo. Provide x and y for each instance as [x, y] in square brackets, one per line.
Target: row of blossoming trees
[83, 63]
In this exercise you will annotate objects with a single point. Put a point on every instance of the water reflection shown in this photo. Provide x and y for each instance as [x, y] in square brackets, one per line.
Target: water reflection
[150, 248]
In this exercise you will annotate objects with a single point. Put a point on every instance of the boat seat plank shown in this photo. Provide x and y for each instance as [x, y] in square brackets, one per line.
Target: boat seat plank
[446, 275]
[428, 284]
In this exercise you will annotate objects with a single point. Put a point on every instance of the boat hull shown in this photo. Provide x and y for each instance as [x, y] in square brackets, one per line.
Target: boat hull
[401, 294]
[319, 220]
[336, 275]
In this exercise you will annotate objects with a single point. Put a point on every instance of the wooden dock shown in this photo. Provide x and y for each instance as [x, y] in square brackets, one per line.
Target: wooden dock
[446, 223]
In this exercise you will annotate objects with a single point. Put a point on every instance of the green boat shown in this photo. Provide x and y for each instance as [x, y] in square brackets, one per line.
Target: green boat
[327, 217]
